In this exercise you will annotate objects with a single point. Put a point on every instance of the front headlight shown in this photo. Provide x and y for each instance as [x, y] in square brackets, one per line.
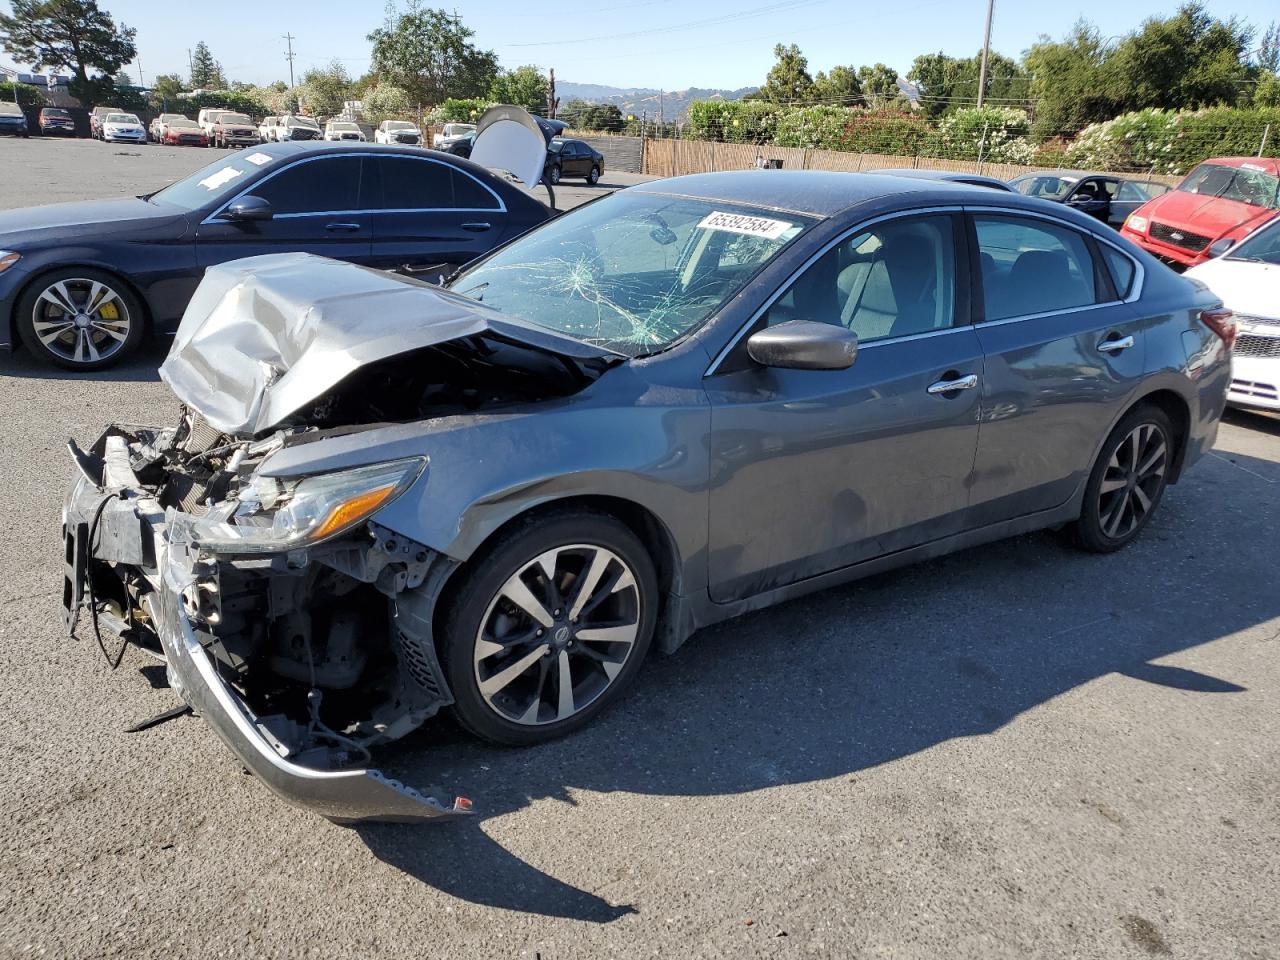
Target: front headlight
[277, 515]
[1137, 224]
[8, 258]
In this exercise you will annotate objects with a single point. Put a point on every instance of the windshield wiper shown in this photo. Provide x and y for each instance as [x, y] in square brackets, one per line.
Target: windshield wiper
[468, 292]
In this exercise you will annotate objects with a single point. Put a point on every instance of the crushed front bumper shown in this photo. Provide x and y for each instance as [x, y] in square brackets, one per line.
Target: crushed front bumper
[131, 530]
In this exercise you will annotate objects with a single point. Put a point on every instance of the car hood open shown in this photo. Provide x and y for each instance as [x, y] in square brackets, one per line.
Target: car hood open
[264, 336]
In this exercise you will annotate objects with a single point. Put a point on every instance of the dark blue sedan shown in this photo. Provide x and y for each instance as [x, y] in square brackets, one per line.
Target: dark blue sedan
[81, 283]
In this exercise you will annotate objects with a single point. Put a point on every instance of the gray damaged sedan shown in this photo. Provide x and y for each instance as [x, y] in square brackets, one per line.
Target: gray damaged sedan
[685, 401]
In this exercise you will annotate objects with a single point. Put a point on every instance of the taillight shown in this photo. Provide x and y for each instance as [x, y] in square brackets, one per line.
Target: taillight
[1222, 322]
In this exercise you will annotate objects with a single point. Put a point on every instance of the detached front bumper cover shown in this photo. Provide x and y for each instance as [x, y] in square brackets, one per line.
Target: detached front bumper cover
[343, 796]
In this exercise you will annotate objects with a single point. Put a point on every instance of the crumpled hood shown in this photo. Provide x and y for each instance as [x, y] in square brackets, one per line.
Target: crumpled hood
[264, 336]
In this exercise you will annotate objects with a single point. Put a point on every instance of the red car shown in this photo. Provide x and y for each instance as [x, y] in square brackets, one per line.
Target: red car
[1222, 199]
[181, 132]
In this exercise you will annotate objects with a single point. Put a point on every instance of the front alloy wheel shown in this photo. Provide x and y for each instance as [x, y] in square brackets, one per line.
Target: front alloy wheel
[81, 320]
[548, 627]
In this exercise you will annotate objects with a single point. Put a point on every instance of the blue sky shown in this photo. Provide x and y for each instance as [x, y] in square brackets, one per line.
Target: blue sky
[670, 44]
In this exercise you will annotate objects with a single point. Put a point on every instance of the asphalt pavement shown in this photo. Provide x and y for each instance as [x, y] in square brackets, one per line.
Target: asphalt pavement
[1018, 751]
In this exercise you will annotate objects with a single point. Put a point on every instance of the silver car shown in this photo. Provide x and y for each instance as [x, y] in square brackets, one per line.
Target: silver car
[689, 400]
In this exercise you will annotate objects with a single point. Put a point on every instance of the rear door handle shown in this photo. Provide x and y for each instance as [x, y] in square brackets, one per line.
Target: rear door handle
[342, 227]
[951, 386]
[479, 227]
[1115, 345]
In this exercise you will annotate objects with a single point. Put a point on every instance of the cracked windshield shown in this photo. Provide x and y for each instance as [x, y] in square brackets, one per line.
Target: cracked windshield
[634, 272]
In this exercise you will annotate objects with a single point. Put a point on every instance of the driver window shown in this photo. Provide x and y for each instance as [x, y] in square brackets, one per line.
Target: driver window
[894, 279]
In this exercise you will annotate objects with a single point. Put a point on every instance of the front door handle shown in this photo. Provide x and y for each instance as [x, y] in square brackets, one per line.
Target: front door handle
[479, 227]
[951, 386]
[1115, 345]
[342, 227]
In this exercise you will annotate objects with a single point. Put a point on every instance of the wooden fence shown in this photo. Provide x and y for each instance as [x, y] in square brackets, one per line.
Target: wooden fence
[673, 158]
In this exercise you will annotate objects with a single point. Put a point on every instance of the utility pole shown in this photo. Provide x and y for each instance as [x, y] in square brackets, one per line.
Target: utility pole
[552, 102]
[190, 65]
[661, 93]
[289, 56]
[140, 81]
[986, 52]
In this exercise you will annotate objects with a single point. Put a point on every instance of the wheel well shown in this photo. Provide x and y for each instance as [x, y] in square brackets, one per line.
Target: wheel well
[15, 331]
[1176, 409]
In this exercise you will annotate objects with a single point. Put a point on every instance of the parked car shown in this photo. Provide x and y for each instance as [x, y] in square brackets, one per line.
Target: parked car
[573, 158]
[80, 282]
[234, 130]
[397, 131]
[450, 133]
[267, 129]
[1218, 204]
[13, 120]
[950, 176]
[1247, 279]
[123, 128]
[295, 127]
[1108, 198]
[207, 117]
[694, 398]
[156, 130]
[181, 132]
[55, 121]
[96, 117]
[343, 130]
[461, 147]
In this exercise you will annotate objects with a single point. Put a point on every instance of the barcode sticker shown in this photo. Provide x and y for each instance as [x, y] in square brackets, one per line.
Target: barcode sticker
[741, 223]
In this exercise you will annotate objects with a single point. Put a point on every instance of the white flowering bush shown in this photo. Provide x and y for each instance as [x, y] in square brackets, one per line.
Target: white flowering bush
[1143, 140]
[994, 134]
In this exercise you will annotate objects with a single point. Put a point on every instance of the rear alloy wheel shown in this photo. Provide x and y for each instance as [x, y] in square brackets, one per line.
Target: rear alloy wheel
[554, 175]
[80, 319]
[550, 628]
[594, 176]
[1127, 482]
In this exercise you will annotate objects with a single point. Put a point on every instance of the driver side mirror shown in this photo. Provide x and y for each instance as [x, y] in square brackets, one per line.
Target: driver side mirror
[246, 209]
[804, 345]
[1221, 246]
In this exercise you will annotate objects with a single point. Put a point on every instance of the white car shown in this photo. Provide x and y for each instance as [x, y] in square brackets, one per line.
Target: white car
[161, 123]
[267, 128]
[397, 131]
[123, 128]
[293, 127]
[343, 130]
[1247, 278]
[450, 134]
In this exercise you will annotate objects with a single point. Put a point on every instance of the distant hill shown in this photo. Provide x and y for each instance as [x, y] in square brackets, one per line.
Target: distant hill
[642, 100]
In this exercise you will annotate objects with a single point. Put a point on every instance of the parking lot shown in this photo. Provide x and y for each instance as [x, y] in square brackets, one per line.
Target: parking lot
[1017, 751]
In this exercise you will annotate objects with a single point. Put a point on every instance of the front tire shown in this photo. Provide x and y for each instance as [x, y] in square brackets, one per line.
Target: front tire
[80, 319]
[548, 626]
[1127, 482]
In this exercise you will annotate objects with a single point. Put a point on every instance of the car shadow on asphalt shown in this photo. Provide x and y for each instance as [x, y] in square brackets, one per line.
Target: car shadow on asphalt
[888, 667]
[142, 367]
[1259, 420]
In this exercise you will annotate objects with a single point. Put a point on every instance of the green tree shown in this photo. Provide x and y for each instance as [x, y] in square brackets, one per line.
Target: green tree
[1069, 83]
[879, 85]
[788, 80]
[206, 72]
[1191, 59]
[430, 55]
[386, 102]
[840, 86]
[324, 90]
[951, 83]
[73, 34]
[524, 87]
[165, 89]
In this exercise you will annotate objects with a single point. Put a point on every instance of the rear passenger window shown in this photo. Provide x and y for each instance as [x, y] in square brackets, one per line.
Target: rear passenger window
[1121, 267]
[412, 184]
[894, 279]
[1030, 266]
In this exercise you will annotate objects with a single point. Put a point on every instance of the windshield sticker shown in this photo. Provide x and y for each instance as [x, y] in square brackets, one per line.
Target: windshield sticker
[225, 175]
[1254, 166]
[258, 158]
[740, 223]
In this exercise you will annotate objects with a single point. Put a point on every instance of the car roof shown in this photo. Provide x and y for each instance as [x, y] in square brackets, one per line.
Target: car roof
[953, 176]
[1269, 165]
[812, 192]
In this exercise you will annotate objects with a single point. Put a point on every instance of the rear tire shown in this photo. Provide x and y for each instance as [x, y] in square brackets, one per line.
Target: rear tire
[595, 642]
[594, 176]
[553, 177]
[1127, 481]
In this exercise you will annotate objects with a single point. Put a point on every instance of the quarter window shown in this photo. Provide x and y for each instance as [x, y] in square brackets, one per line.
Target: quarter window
[1030, 266]
[893, 279]
[1121, 267]
[315, 186]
